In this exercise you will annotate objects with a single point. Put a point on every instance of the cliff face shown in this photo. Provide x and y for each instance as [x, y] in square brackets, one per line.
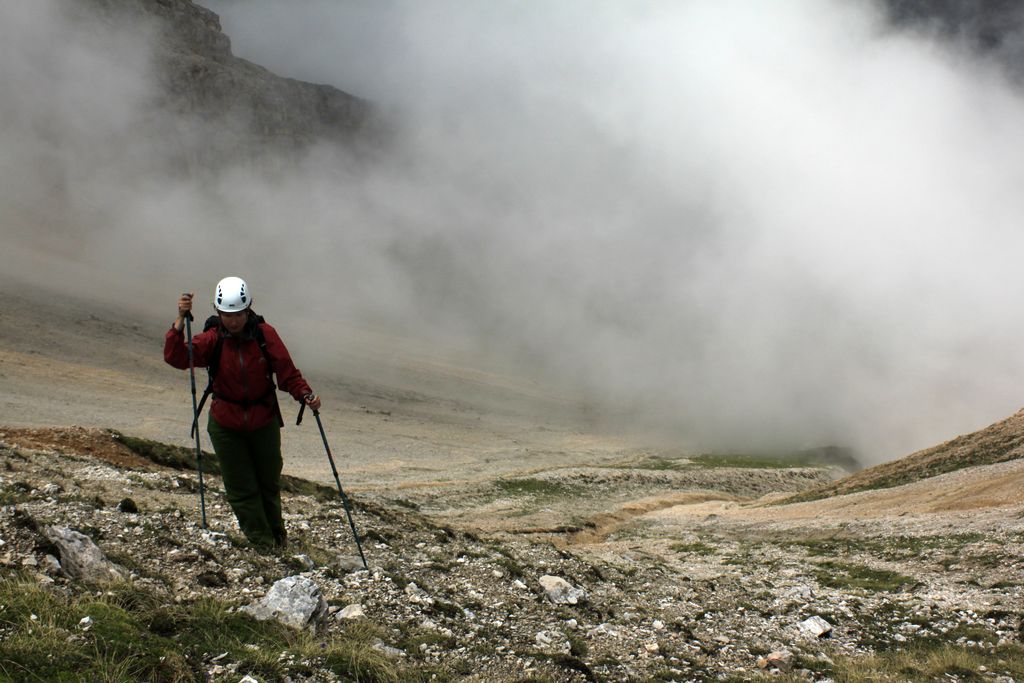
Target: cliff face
[233, 108]
[994, 27]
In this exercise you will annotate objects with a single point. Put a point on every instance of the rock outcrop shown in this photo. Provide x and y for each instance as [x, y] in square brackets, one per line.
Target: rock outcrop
[82, 559]
[228, 108]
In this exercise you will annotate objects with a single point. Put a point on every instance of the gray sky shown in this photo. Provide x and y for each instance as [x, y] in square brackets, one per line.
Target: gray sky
[728, 223]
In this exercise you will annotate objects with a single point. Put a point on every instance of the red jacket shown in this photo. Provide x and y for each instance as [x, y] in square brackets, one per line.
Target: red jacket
[242, 375]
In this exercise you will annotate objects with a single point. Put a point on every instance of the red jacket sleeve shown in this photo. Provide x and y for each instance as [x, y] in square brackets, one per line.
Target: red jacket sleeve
[176, 350]
[288, 376]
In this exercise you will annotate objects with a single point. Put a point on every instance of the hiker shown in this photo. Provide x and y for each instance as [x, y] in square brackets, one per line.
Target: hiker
[242, 352]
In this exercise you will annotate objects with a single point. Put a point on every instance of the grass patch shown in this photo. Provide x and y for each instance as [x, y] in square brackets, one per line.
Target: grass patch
[978, 634]
[843, 576]
[828, 456]
[535, 487]
[512, 566]
[660, 464]
[354, 657]
[304, 487]
[896, 548]
[695, 548]
[175, 457]
[413, 640]
[13, 496]
[136, 635]
[925, 661]
[766, 461]
[932, 661]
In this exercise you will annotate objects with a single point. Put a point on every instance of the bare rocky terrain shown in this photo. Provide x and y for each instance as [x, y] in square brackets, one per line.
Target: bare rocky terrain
[690, 567]
[510, 535]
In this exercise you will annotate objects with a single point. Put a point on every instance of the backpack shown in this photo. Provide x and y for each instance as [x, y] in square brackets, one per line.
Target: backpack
[213, 365]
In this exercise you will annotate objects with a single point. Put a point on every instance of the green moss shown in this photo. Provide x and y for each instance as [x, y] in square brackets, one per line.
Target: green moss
[843, 576]
[413, 639]
[12, 496]
[896, 548]
[660, 464]
[447, 609]
[535, 487]
[512, 566]
[695, 548]
[175, 457]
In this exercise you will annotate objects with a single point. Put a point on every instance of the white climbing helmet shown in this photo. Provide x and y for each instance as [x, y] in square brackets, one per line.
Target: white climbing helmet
[232, 295]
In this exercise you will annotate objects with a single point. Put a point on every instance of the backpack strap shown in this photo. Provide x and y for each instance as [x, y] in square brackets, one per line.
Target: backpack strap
[262, 341]
[213, 365]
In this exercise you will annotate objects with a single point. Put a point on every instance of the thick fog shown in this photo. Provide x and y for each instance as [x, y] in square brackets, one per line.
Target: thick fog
[730, 224]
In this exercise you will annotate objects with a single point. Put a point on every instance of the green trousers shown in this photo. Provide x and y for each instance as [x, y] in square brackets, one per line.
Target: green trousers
[250, 465]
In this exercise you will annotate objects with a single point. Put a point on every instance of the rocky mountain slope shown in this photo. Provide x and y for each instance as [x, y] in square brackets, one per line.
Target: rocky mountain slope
[994, 28]
[1000, 442]
[235, 109]
[911, 598]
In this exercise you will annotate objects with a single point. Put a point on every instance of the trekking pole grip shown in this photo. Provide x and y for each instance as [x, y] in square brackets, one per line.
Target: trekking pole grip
[302, 409]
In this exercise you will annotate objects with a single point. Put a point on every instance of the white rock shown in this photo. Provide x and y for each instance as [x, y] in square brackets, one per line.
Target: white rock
[214, 537]
[816, 626]
[353, 611]
[604, 629]
[294, 600]
[85, 623]
[658, 625]
[417, 595]
[519, 584]
[81, 558]
[349, 563]
[249, 679]
[800, 592]
[780, 659]
[560, 591]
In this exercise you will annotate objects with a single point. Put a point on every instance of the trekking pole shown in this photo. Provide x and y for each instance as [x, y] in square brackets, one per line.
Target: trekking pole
[344, 498]
[195, 415]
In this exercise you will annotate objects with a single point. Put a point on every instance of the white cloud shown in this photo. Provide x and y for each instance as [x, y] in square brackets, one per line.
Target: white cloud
[739, 223]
